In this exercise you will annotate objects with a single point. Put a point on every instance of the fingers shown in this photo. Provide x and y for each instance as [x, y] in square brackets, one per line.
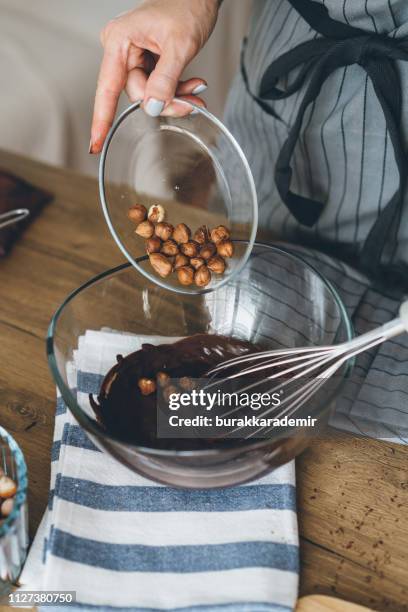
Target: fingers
[117, 73]
[178, 109]
[137, 79]
[111, 81]
[162, 83]
[186, 90]
[136, 84]
[193, 86]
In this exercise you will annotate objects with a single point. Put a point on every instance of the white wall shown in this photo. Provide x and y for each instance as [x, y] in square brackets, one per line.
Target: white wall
[49, 60]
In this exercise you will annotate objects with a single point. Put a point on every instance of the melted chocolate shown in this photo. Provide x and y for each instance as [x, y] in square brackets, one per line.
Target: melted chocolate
[125, 412]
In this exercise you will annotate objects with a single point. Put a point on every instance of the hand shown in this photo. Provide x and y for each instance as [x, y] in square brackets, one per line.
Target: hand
[145, 52]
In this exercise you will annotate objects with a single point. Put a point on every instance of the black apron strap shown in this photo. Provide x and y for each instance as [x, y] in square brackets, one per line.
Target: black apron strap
[342, 45]
[317, 16]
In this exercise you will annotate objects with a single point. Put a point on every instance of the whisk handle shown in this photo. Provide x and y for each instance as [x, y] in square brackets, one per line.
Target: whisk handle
[378, 335]
[395, 327]
[403, 313]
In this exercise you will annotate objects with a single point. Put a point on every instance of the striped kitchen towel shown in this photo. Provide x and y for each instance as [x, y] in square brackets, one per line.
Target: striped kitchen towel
[123, 542]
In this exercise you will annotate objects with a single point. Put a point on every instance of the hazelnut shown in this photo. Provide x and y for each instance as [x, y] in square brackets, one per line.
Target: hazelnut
[8, 487]
[156, 213]
[147, 386]
[207, 250]
[164, 230]
[145, 229]
[220, 233]
[6, 507]
[186, 383]
[160, 264]
[185, 275]
[190, 248]
[137, 213]
[197, 262]
[225, 248]
[109, 383]
[216, 264]
[153, 245]
[202, 235]
[162, 379]
[169, 390]
[202, 277]
[181, 233]
[181, 260]
[170, 248]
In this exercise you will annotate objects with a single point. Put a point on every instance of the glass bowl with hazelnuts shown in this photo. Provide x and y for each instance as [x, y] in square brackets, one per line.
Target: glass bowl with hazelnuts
[13, 511]
[180, 190]
[140, 337]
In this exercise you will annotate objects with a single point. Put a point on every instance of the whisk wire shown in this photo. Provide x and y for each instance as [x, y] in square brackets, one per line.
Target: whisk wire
[264, 365]
[320, 363]
[311, 387]
[314, 385]
[281, 385]
[266, 354]
[305, 392]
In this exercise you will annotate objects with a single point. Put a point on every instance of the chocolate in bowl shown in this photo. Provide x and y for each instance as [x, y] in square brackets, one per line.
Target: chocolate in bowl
[125, 411]
[277, 301]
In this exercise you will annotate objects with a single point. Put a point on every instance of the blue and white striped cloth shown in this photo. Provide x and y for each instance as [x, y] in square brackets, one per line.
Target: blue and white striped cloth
[124, 542]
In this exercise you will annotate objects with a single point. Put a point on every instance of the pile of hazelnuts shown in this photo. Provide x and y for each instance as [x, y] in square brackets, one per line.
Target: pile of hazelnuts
[8, 490]
[193, 257]
[162, 381]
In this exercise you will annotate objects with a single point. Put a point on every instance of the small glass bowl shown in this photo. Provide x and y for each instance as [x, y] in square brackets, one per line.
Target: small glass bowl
[13, 529]
[277, 301]
[191, 165]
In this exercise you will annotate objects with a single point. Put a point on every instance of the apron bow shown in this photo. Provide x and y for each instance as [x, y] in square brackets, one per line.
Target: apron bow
[342, 45]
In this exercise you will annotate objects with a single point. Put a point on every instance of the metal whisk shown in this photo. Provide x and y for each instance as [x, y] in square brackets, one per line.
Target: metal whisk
[314, 364]
[13, 216]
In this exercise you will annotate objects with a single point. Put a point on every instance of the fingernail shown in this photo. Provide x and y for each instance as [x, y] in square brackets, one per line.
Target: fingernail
[90, 146]
[154, 107]
[194, 112]
[170, 112]
[199, 89]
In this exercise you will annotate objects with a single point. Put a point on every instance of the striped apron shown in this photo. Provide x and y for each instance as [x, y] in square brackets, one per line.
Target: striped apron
[318, 108]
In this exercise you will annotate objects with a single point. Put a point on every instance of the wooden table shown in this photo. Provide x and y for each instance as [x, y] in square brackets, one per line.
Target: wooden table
[352, 493]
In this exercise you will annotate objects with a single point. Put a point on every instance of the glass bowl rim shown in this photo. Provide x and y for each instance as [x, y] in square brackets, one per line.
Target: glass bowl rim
[104, 203]
[21, 495]
[94, 428]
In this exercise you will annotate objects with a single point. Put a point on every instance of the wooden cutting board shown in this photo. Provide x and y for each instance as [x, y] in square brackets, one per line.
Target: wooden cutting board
[322, 603]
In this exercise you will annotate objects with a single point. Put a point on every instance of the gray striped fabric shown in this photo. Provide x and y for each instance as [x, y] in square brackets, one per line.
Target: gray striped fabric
[374, 402]
[344, 157]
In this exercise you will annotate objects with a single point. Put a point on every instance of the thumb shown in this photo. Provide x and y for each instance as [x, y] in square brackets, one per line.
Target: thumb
[162, 82]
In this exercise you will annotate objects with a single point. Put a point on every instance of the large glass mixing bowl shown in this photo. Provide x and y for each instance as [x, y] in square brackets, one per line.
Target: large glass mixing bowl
[277, 300]
[191, 165]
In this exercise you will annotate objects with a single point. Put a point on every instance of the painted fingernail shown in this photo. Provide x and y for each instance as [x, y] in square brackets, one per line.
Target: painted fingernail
[154, 107]
[199, 89]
